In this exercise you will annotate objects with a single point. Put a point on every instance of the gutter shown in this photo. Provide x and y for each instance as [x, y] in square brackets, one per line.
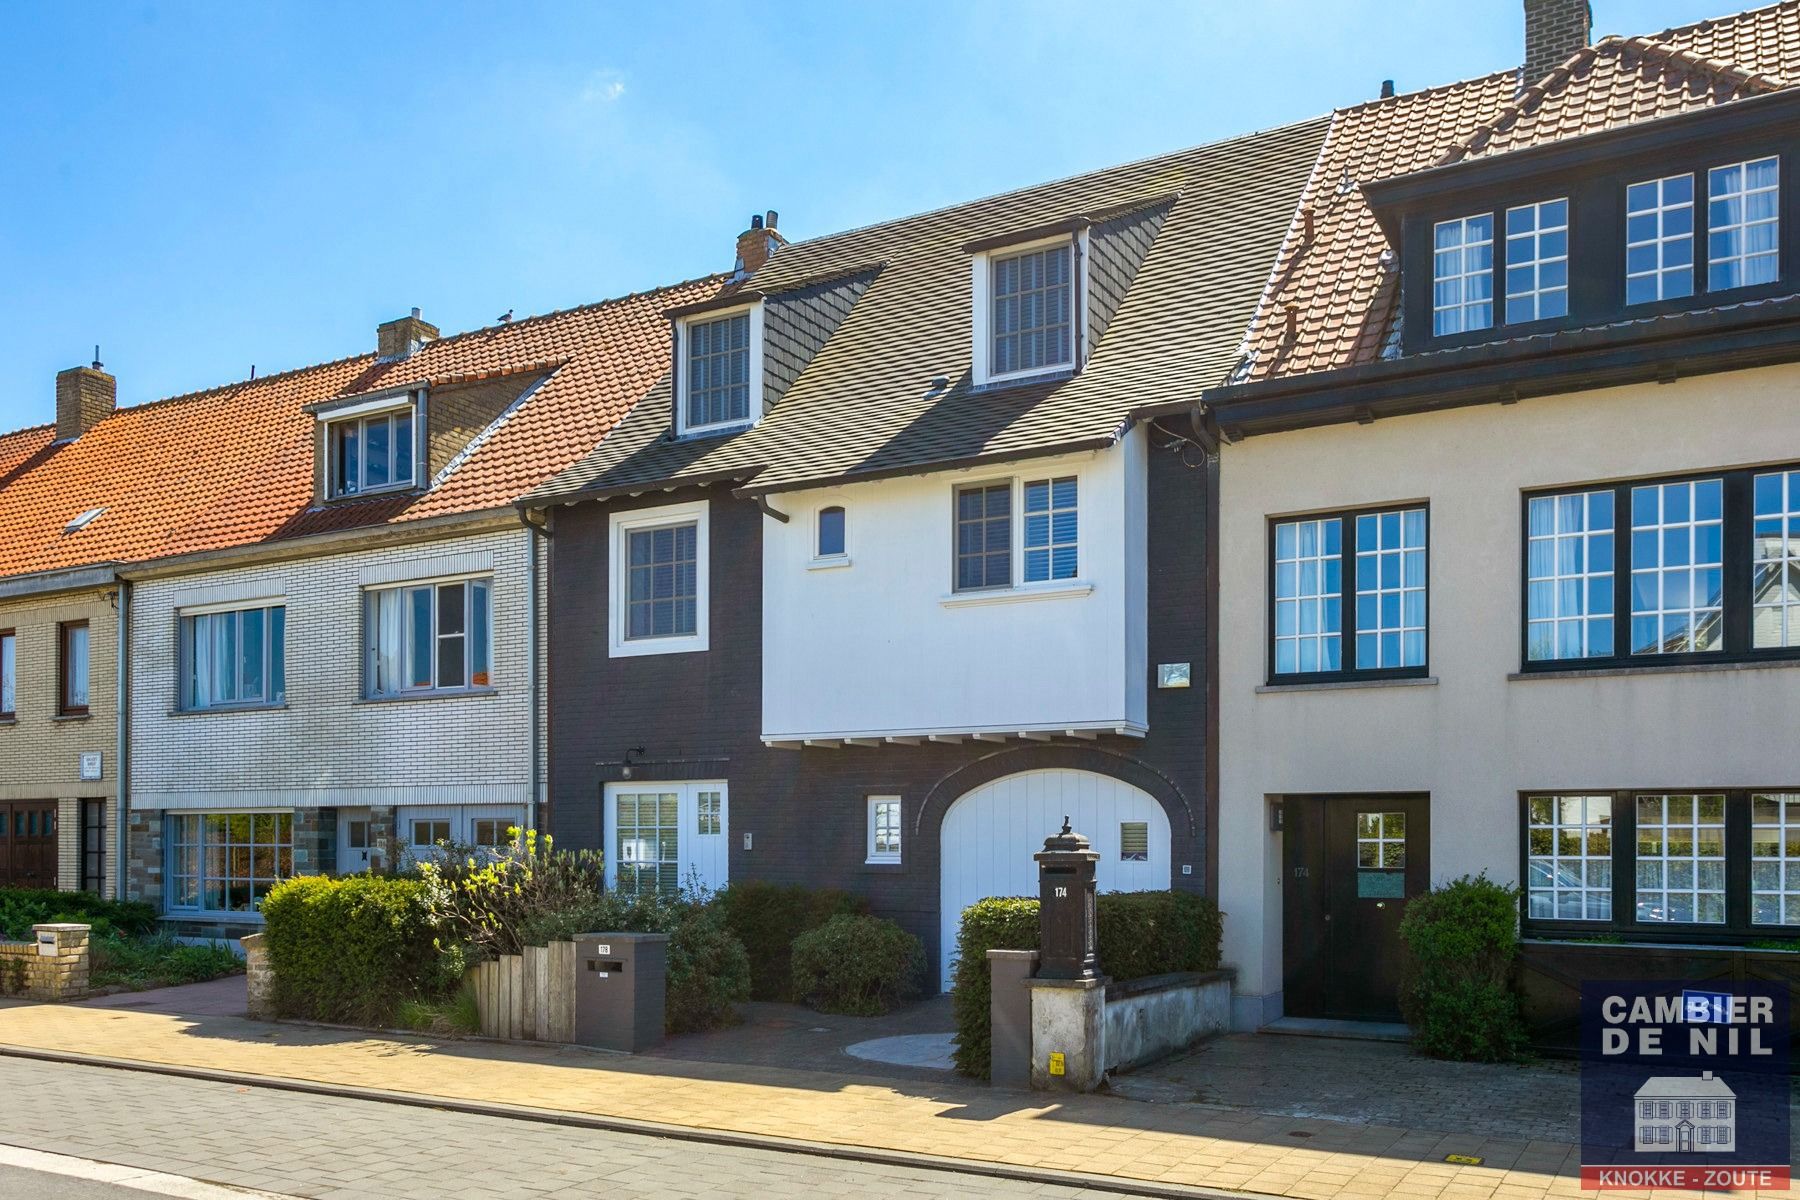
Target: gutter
[533, 632]
[122, 751]
[68, 579]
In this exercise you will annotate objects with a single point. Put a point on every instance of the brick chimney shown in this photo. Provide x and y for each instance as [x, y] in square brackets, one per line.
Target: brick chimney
[85, 396]
[1554, 29]
[403, 338]
[757, 245]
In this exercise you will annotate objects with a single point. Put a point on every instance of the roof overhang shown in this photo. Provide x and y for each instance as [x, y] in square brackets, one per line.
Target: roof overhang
[963, 462]
[612, 491]
[68, 579]
[1657, 349]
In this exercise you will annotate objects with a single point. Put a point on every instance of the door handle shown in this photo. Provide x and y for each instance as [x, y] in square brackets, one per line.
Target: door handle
[1381, 904]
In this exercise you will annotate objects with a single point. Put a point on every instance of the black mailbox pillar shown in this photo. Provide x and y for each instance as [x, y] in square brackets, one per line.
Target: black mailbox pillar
[1066, 907]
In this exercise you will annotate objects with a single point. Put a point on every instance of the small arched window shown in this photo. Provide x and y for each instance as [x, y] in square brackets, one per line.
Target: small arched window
[831, 532]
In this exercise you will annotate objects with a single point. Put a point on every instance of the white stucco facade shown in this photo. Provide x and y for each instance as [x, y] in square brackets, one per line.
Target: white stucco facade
[328, 744]
[879, 643]
[1474, 736]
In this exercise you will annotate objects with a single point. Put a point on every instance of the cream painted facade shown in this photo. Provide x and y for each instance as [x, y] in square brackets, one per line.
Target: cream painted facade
[41, 749]
[1473, 736]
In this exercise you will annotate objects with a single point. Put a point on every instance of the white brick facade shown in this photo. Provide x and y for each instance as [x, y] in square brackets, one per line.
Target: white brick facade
[328, 746]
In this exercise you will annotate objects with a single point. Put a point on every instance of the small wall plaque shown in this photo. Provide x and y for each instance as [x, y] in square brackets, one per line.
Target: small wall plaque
[47, 945]
[1174, 675]
[90, 765]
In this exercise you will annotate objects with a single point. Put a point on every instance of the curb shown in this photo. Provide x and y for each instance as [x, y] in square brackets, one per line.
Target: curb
[1114, 1184]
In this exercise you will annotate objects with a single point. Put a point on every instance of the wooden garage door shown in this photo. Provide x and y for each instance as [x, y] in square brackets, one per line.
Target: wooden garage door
[990, 834]
[28, 844]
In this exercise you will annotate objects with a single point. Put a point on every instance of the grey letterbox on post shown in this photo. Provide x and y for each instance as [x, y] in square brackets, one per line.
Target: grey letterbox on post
[1066, 906]
[620, 989]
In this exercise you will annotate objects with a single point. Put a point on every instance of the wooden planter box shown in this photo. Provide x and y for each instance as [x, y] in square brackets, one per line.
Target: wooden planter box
[1550, 975]
[527, 997]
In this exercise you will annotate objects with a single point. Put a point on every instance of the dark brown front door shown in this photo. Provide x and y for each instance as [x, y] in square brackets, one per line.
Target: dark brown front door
[28, 844]
[1351, 863]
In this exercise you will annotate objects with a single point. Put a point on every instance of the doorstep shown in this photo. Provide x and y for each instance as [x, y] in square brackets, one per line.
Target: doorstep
[1322, 1027]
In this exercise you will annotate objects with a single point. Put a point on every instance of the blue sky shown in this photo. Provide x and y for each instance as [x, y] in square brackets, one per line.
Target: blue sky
[202, 186]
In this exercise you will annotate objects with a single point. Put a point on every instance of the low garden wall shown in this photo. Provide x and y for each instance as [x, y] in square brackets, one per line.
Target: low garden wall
[1148, 1019]
[53, 965]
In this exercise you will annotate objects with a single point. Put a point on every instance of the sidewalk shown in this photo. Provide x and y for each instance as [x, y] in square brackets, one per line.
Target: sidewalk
[1194, 1145]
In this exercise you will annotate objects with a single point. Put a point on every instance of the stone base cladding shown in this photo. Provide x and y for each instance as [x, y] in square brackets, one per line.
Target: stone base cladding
[259, 977]
[315, 841]
[144, 857]
[27, 971]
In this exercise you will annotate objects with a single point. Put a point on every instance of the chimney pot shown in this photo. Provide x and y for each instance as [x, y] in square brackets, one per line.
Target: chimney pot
[85, 396]
[772, 218]
[404, 337]
[756, 245]
[1554, 29]
[755, 220]
[1387, 89]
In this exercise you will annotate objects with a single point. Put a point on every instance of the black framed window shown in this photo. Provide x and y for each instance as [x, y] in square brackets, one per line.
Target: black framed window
[984, 536]
[1719, 864]
[1366, 567]
[93, 846]
[1699, 568]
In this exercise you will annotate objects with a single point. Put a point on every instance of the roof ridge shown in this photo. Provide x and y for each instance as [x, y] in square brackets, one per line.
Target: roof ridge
[1048, 183]
[1651, 48]
[24, 429]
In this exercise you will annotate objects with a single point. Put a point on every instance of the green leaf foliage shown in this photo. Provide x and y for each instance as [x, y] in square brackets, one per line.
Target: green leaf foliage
[21, 908]
[1138, 934]
[768, 917]
[157, 960]
[352, 949]
[862, 966]
[1461, 939]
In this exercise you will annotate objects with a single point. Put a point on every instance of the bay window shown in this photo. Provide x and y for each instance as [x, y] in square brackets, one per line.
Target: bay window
[430, 637]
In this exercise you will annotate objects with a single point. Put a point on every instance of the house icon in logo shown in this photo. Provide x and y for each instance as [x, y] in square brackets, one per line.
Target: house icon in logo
[1685, 1115]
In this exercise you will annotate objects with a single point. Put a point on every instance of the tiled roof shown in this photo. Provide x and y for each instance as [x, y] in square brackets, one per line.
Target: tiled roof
[866, 405]
[233, 466]
[1331, 299]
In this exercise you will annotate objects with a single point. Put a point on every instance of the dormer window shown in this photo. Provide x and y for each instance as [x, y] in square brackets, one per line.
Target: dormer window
[372, 451]
[1537, 261]
[1742, 223]
[720, 371]
[1659, 239]
[1462, 276]
[1028, 319]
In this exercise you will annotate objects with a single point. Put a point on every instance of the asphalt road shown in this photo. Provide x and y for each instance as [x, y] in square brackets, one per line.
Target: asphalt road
[338, 1149]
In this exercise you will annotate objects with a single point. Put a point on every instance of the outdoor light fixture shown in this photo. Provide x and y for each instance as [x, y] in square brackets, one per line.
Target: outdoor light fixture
[625, 768]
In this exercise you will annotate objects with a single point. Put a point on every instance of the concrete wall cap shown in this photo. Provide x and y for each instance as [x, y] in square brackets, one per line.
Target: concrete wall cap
[61, 927]
[1081, 985]
[1026, 955]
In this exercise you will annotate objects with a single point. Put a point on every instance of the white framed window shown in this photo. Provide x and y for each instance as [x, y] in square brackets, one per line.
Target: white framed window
[1309, 562]
[994, 550]
[1677, 567]
[1569, 851]
[1390, 589]
[376, 452]
[1462, 275]
[1775, 560]
[9, 673]
[428, 637]
[1743, 224]
[659, 580]
[884, 829]
[1569, 576]
[1050, 529]
[226, 862]
[1659, 239]
[1537, 261]
[1681, 859]
[234, 658]
[647, 836]
[1027, 316]
[1774, 859]
[832, 533]
[719, 366]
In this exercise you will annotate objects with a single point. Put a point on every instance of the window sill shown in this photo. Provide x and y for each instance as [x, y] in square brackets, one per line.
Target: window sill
[443, 694]
[883, 862]
[226, 710]
[1016, 595]
[1651, 669]
[1344, 685]
[8, 720]
[73, 717]
[381, 493]
[831, 563]
[994, 383]
[653, 646]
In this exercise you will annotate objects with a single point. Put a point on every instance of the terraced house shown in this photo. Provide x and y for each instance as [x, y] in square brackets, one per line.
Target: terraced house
[1510, 540]
[332, 606]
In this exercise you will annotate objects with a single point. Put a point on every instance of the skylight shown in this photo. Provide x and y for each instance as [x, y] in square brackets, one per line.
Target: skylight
[83, 521]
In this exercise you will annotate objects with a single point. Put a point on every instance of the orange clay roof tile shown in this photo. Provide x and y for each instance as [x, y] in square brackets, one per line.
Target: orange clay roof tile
[233, 465]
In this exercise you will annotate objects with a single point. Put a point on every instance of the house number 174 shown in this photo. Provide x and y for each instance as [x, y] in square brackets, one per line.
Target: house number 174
[1062, 893]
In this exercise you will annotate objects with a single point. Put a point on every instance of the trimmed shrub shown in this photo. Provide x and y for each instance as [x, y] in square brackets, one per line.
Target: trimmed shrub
[351, 949]
[1461, 939]
[768, 917]
[1139, 934]
[21, 908]
[709, 973]
[862, 966]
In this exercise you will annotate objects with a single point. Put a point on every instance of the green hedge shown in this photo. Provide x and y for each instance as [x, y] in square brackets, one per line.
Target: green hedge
[1455, 991]
[21, 908]
[862, 966]
[1139, 934]
[768, 917]
[351, 949]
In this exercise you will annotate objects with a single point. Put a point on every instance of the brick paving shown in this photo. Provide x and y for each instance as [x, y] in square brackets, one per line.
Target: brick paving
[336, 1149]
[1249, 1132]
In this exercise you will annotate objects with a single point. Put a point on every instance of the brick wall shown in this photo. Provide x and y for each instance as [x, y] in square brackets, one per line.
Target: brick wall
[27, 972]
[454, 415]
[1554, 29]
[40, 750]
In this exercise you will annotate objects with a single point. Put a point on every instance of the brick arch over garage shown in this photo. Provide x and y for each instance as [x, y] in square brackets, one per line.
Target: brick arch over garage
[1186, 818]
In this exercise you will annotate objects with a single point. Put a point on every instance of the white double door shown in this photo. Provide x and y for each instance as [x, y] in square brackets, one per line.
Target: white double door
[665, 837]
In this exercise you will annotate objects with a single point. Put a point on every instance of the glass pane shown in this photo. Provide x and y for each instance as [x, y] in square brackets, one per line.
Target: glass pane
[831, 532]
[480, 633]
